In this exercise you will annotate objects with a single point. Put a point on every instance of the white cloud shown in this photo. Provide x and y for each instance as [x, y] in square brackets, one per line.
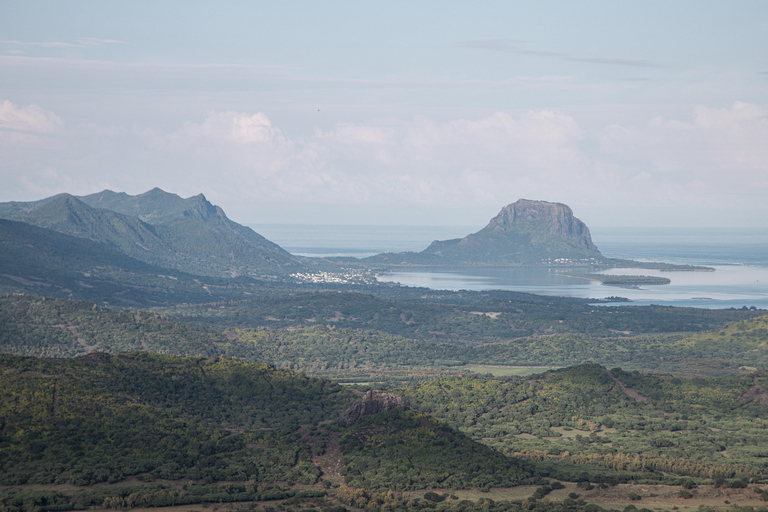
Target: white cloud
[236, 127]
[715, 158]
[714, 141]
[32, 118]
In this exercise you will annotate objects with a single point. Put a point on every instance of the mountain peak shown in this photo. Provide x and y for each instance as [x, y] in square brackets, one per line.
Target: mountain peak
[157, 191]
[557, 217]
[160, 228]
[525, 232]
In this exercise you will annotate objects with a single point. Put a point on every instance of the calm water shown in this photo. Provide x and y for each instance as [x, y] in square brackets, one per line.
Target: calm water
[740, 257]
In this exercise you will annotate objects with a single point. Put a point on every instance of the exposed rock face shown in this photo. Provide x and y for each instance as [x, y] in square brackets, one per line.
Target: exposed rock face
[373, 402]
[523, 233]
[556, 216]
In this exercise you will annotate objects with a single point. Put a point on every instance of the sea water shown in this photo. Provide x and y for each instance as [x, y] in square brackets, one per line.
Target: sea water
[739, 257]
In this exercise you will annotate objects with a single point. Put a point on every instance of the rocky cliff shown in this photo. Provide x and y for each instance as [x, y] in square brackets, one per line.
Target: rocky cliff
[372, 402]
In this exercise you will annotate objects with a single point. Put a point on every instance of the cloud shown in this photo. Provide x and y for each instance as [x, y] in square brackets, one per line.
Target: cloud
[714, 140]
[236, 127]
[43, 44]
[512, 46]
[95, 41]
[80, 42]
[29, 119]
[457, 166]
[37, 73]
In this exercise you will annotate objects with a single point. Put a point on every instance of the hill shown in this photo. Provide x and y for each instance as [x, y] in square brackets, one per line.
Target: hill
[611, 419]
[525, 232]
[45, 262]
[190, 235]
[101, 418]
[216, 430]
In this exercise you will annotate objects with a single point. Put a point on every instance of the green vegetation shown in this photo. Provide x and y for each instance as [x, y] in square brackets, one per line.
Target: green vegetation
[101, 418]
[404, 450]
[186, 235]
[366, 339]
[623, 280]
[623, 421]
[198, 400]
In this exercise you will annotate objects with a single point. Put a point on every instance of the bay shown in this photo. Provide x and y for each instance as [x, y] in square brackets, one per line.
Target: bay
[739, 255]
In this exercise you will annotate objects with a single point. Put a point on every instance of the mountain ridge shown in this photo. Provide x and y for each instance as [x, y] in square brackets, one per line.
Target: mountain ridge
[191, 235]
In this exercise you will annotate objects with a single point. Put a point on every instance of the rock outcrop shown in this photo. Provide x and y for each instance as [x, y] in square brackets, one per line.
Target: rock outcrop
[372, 402]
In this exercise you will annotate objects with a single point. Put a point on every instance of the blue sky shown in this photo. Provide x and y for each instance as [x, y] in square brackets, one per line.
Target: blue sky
[632, 113]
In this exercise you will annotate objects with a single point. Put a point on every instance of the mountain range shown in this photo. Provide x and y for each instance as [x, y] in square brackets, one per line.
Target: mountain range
[190, 235]
[159, 248]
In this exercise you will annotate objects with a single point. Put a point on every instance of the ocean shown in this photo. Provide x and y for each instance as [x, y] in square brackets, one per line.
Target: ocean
[739, 256]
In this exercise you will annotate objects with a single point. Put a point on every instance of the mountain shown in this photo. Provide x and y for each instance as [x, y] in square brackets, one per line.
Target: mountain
[155, 206]
[190, 235]
[45, 262]
[101, 418]
[158, 207]
[523, 233]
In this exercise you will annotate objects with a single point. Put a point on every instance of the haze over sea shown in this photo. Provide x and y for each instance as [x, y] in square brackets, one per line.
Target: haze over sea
[739, 255]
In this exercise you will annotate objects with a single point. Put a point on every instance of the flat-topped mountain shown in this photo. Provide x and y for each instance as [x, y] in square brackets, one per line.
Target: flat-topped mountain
[523, 233]
[191, 235]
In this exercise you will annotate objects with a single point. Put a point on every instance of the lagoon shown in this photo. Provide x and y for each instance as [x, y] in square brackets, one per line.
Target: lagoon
[739, 255]
[729, 286]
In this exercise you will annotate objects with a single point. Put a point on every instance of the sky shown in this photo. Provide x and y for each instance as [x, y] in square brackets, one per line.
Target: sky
[650, 113]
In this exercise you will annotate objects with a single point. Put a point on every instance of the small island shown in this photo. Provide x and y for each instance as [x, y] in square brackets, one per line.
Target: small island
[622, 281]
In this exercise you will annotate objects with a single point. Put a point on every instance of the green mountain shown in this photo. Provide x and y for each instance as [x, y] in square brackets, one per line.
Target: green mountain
[159, 208]
[45, 262]
[523, 233]
[190, 235]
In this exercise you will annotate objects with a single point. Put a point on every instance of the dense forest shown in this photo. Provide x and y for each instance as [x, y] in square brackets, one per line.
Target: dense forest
[360, 338]
[621, 420]
[157, 430]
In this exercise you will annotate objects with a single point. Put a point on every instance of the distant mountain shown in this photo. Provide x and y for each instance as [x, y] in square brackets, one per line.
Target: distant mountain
[528, 232]
[45, 262]
[523, 233]
[155, 206]
[190, 235]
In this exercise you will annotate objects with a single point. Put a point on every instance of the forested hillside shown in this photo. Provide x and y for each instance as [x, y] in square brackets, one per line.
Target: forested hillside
[102, 418]
[622, 421]
[234, 431]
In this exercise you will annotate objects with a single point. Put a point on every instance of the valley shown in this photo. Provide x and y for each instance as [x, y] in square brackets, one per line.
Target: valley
[157, 354]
